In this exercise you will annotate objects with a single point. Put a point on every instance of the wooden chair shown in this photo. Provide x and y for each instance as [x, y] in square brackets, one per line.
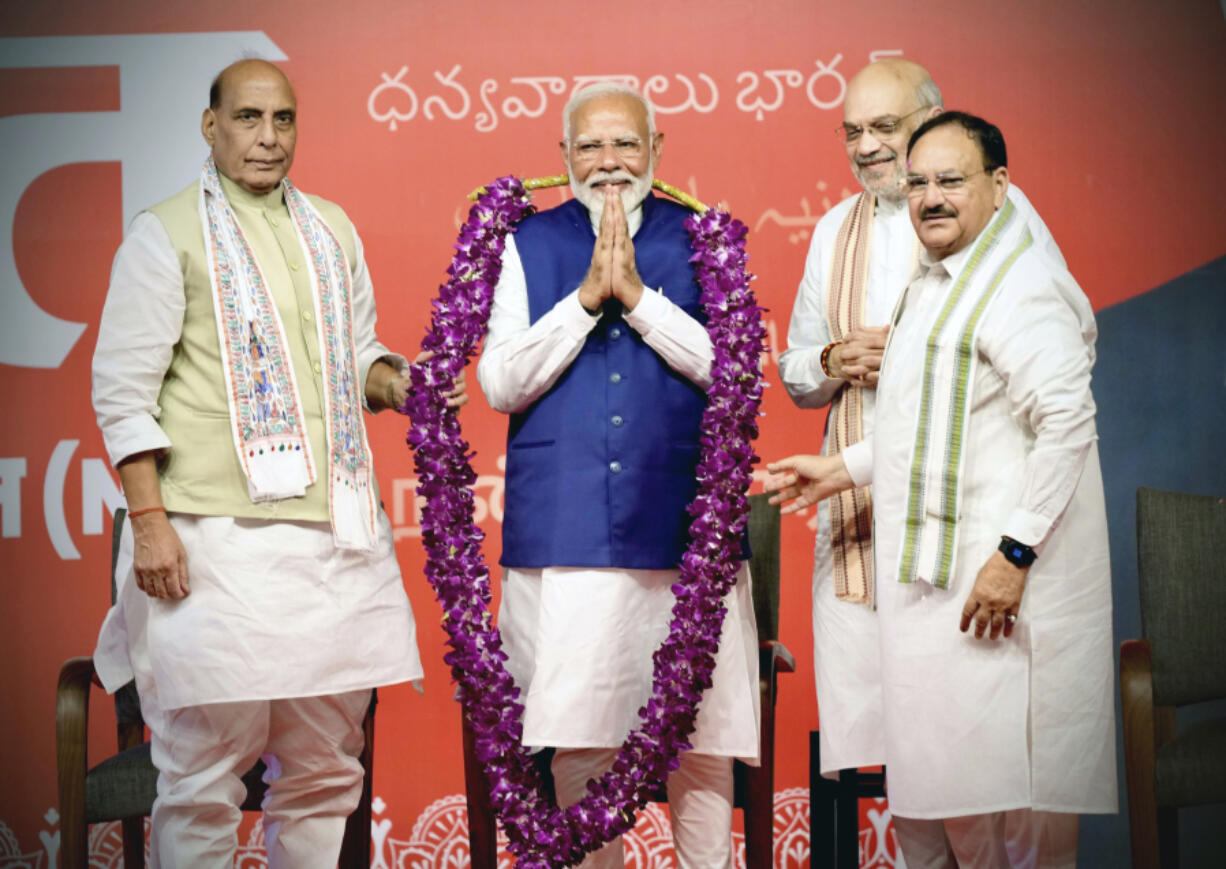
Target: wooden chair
[753, 787]
[123, 786]
[1177, 662]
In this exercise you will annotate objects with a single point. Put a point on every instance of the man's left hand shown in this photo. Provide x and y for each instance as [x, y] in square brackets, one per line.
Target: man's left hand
[996, 597]
[627, 285]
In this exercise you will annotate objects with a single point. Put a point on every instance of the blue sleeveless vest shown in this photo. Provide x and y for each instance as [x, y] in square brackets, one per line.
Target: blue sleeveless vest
[601, 467]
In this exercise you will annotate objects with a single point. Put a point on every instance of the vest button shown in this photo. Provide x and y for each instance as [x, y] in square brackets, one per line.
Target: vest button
[615, 378]
[615, 333]
[615, 467]
[616, 420]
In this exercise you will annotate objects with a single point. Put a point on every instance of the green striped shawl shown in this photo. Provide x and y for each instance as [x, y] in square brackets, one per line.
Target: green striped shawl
[930, 540]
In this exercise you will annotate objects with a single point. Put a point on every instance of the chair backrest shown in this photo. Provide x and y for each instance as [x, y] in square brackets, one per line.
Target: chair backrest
[127, 701]
[764, 564]
[1182, 581]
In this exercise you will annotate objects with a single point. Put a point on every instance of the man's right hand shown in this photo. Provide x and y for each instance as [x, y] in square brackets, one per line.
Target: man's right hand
[160, 561]
[858, 359]
[806, 480]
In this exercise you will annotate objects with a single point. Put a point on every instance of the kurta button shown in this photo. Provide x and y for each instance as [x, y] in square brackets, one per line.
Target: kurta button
[615, 378]
[615, 333]
[318, 368]
[306, 315]
[616, 420]
[273, 221]
[293, 267]
[615, 467]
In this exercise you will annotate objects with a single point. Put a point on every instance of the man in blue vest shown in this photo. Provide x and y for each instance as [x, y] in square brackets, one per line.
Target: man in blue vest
[597, 349]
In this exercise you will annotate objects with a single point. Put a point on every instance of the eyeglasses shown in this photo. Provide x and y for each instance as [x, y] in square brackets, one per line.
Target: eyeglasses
[627, 147]
[881, 128]
[950, 183]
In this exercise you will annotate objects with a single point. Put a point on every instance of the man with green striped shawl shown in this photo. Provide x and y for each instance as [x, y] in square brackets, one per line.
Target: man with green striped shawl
[993, 582]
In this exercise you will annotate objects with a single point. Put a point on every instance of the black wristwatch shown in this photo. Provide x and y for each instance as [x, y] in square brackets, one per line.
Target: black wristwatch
[1017, 554]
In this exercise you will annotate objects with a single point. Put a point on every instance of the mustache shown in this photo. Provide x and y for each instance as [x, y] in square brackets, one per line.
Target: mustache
[616, 175]
[941, 210]
[880, 154]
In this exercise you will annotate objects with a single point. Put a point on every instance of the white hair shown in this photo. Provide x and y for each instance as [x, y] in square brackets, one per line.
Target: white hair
[600, 89]
[928, 94]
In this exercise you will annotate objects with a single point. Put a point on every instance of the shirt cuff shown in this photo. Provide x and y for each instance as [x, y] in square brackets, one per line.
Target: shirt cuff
[136, 434]
[374, 352]
[575, 318]
[651, 308]
[858, 459]
[1026, 527]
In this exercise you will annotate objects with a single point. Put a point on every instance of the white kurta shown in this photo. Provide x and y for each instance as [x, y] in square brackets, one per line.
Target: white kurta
[846, 663]
[580, 640]
[275, 609]
[975, 726]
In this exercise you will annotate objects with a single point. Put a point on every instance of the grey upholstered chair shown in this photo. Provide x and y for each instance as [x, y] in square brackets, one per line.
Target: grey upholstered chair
[753, 787]
[123, 787]
[1178, 662]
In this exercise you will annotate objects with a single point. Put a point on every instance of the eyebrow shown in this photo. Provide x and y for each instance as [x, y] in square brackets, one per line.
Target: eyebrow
[284, 110]
[585, 137]
[876, 120]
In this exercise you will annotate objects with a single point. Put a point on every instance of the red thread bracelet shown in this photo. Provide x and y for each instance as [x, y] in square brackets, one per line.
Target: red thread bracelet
[825, 360]
[132, 514]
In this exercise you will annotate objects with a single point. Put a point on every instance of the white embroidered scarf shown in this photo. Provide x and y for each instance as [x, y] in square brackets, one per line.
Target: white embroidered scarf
[266, 416]
[930, 543]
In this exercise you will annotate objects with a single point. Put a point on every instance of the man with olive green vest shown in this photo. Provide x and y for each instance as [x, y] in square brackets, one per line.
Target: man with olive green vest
[259, 597]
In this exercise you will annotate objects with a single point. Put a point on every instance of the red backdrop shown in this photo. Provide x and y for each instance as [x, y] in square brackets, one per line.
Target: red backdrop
[1112, 112]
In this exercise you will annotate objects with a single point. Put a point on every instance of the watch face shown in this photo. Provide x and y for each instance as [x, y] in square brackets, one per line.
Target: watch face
[1015, 553]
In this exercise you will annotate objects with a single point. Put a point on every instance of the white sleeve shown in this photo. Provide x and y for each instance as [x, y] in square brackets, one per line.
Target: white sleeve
[368, 349]
[521, 360]
[1041, 350]
[800, 366]
[142, 321]
[858, 459]
[682, 342]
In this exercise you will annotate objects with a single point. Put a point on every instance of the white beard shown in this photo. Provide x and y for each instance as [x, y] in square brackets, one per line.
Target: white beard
[593, 199]
[889, 188]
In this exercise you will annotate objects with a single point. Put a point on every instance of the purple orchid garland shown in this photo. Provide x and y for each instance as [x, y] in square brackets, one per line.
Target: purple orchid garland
[540, 833]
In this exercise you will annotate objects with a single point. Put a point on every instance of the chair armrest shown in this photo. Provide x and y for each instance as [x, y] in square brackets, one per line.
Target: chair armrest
[72, 700]
[1140, 746]
[71, 730]
[774, 656]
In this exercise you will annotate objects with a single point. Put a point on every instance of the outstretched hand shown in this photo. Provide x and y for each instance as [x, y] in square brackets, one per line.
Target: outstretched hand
[807, 480]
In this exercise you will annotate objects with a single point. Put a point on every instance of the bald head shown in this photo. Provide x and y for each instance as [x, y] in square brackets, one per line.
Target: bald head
[237, 70]
[251, 124]
[897, 74]
[885, 103]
